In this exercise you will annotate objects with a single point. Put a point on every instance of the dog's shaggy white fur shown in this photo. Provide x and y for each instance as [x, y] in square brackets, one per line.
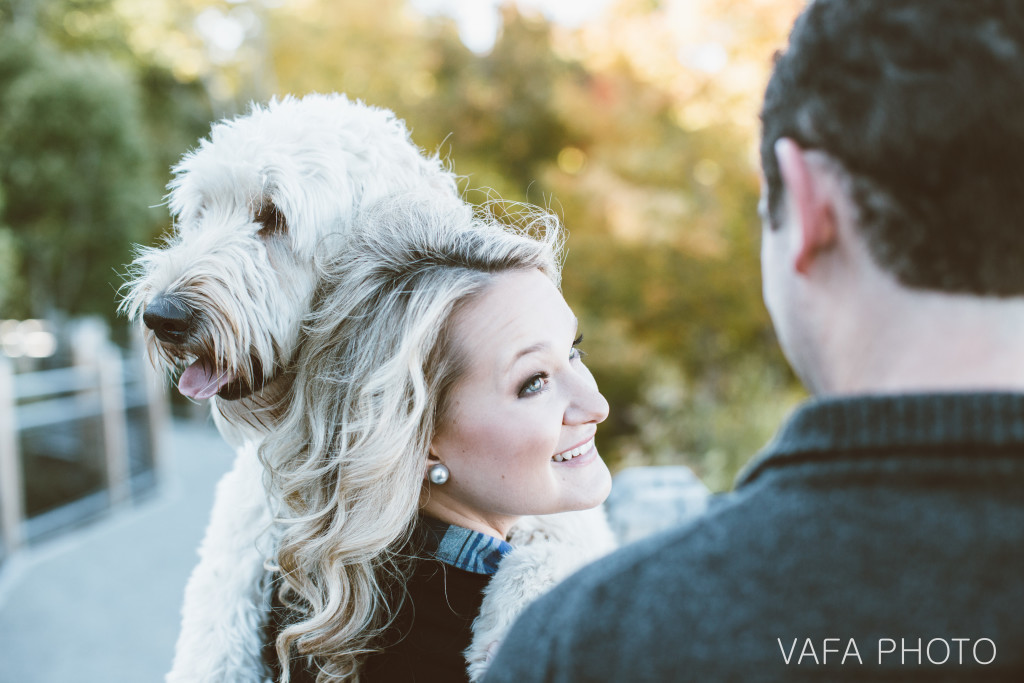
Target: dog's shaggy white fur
[252, 205]
[222, 301]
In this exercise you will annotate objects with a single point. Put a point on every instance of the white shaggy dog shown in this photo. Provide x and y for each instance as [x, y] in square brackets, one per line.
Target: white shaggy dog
[222, 301]
[224, 296]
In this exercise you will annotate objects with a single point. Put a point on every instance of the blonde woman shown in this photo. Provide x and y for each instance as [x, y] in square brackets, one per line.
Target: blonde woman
[441, 396]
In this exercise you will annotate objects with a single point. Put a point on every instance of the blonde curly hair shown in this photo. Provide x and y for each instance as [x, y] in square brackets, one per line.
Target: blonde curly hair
[375, 367]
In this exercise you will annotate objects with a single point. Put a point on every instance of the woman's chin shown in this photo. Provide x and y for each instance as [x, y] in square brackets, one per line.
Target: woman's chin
[588, 483]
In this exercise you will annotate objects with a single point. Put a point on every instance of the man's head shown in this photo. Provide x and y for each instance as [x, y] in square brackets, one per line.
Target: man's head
[921, 103]
[893, 159]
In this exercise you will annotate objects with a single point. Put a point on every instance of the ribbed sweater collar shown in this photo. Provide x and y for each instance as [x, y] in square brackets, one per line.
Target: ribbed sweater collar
[889, 422]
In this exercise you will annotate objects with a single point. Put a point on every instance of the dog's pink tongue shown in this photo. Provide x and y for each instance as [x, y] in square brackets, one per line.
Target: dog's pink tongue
[199, 381]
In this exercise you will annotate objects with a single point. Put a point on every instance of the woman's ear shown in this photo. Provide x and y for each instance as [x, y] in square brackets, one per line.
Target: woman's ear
[432, 459]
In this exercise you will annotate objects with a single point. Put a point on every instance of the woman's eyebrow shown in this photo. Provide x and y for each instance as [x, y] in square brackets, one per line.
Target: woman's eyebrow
[532, 348]
[539, 346]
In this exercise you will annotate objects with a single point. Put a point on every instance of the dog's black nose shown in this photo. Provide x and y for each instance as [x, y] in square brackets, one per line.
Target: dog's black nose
[169, 319]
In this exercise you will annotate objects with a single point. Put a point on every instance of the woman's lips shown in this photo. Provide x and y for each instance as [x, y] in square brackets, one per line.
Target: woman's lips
[575, 452]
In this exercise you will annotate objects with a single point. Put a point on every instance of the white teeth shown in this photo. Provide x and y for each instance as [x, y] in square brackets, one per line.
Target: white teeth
[570, 454]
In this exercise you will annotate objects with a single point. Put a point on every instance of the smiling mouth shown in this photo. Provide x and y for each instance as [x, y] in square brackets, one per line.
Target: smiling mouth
[574, 452]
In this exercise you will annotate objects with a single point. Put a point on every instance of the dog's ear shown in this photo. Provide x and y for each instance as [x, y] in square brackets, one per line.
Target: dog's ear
[271, 220]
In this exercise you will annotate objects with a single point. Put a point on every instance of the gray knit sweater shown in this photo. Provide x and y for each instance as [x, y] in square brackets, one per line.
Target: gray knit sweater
[875, 538]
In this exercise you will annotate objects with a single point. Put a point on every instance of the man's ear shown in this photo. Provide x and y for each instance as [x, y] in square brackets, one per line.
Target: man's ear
[809, 202]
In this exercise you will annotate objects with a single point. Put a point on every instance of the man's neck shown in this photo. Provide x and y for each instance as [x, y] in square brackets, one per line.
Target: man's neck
[916, 342]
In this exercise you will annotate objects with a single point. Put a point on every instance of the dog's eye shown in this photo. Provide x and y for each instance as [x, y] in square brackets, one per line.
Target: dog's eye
[271, 221]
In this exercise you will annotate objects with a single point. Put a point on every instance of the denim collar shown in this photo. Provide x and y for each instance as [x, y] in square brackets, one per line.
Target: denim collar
[462, 548]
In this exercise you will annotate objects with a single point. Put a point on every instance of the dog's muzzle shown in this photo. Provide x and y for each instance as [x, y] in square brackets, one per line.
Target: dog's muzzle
[170, 320]
[178, 326]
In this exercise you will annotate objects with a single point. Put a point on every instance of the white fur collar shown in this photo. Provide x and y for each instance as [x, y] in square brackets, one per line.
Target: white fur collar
[545, 550]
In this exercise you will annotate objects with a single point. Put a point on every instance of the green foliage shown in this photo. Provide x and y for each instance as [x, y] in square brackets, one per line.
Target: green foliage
[89, 132]
[10, 283]
[175, 115]
[74, 173]
[505, 99]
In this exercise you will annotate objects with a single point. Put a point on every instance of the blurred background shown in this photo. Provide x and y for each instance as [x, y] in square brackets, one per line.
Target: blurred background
[635, 120]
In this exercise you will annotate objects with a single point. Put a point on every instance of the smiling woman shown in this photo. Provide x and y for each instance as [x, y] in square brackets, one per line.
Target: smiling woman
[519, 434]
[439, 397]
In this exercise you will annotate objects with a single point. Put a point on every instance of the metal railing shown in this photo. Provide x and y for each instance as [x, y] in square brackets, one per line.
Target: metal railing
[107, 410]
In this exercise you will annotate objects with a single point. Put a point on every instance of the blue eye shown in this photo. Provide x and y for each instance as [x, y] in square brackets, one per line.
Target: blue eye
[534, 385]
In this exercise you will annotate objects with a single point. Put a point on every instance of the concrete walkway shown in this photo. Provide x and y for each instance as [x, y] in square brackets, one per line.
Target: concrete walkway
[102, 603]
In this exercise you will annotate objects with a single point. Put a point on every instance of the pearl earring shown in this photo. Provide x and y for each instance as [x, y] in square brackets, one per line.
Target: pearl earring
[438, 474]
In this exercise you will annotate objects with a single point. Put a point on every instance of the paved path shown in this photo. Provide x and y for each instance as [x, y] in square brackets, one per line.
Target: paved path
[102, 604]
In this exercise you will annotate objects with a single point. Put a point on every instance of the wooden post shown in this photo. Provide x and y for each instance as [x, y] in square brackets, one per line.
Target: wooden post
[92, 349]
[158, 406]
[110, 372]
[12, 500]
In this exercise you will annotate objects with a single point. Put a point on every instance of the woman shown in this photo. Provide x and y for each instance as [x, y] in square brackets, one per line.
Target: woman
[440, 397]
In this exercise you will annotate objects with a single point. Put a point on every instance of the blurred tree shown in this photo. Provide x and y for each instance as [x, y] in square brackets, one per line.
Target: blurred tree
[89, 132]
[172, 98]
[74, 175]
[10, 283]
[378, 51]
[507, 99]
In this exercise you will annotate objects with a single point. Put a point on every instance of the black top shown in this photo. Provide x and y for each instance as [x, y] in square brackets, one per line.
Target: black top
[433, 627]
[868, 537]
[425, 641]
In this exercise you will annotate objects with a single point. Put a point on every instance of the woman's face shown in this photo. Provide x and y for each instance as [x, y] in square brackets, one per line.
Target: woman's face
[518, 436]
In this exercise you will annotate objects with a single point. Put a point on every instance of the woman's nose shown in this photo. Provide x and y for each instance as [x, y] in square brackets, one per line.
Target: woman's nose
[586, 403]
